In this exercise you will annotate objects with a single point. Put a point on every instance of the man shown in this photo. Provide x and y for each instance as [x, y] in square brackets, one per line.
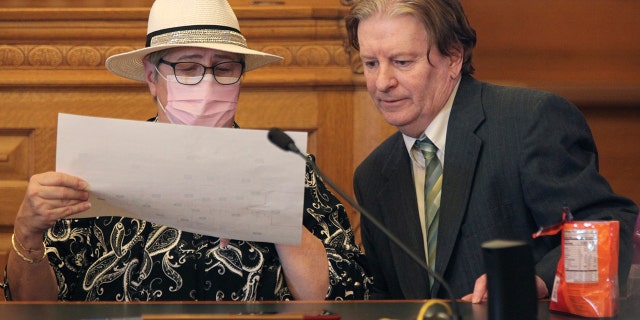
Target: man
[193, 64]
[489, 162]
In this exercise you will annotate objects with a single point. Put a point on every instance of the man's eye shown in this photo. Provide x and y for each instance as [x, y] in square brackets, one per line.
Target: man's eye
[370, 64]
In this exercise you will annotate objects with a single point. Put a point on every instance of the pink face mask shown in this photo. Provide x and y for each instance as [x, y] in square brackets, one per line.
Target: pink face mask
[207, 103]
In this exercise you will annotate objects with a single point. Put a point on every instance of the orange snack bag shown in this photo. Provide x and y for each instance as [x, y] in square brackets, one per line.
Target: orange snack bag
[586, 282]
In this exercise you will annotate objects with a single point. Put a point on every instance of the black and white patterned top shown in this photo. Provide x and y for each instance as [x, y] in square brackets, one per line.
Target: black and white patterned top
[124, 259]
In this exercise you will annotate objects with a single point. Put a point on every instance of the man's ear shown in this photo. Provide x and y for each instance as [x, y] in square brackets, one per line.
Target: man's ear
[150, 76]
[456, 57]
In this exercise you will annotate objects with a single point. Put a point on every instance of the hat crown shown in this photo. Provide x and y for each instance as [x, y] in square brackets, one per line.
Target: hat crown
[169, 14]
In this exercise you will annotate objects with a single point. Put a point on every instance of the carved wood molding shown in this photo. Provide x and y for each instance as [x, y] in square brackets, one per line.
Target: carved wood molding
[36, 65]
[41, 56]
[40, 44]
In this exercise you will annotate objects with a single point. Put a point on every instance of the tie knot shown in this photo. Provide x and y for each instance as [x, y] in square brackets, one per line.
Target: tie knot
[427, 148]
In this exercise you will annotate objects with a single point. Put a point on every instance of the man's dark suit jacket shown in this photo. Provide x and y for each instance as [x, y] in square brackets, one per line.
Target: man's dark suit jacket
[513, 157]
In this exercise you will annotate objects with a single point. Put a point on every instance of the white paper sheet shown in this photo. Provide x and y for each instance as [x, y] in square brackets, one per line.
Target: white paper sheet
[223, 182]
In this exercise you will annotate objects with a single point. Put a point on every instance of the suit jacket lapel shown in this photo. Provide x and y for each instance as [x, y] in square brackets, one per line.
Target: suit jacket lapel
[398, 202]
[462, 150]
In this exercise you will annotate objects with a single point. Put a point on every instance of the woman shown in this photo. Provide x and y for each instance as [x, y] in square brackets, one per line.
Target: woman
[193, 63]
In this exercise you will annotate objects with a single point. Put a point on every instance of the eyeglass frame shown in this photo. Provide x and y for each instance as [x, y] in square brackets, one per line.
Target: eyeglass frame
[205, 68]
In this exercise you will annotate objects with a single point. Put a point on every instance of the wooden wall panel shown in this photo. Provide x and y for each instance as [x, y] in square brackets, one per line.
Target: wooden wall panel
[617, 133]
[581, 49]
[52, 60]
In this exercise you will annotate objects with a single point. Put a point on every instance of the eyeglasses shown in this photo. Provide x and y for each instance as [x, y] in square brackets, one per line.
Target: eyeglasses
[191, 73]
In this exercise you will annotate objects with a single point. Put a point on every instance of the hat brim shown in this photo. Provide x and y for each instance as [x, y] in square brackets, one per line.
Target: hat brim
[129, 64]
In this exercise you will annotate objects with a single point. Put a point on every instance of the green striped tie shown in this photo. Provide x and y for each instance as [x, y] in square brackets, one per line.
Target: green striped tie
[432, 192]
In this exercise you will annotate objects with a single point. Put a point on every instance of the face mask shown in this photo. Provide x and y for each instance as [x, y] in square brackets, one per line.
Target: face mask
[207, 103]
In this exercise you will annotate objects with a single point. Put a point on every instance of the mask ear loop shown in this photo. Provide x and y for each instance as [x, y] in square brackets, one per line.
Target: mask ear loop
[159, 73]
[158, 100]
[164, 111]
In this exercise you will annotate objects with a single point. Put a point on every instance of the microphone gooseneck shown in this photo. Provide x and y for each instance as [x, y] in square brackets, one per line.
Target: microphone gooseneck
[283, 141]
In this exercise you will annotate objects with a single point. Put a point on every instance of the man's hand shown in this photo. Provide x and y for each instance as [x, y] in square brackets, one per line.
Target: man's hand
[481, 293]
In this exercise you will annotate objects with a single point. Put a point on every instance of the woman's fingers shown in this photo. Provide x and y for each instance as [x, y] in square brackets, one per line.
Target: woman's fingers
[51, 196]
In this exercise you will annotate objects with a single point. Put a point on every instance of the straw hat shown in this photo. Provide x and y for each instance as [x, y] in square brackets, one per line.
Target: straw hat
[189, 23]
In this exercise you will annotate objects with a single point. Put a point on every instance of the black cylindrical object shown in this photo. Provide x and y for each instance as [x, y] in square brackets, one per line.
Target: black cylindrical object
[510, 280]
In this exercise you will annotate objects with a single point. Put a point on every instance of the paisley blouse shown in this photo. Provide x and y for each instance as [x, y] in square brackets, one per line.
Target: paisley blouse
[125, 259]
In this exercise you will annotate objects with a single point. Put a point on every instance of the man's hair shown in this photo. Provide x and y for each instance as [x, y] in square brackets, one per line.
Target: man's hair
[445, 22]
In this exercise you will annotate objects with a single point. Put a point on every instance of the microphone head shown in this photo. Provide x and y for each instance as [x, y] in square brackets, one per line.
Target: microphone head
[281, 139]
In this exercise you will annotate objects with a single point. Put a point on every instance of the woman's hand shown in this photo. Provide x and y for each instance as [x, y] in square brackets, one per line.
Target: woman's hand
[50, 196]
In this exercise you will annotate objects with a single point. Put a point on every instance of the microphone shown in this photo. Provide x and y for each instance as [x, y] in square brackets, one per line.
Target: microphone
[436, 310]
[283, 141]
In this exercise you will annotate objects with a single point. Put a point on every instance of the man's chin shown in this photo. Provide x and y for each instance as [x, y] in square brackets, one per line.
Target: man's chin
[396, 119]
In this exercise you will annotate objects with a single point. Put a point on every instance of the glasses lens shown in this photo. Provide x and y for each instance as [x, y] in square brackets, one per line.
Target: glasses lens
[228, 72]
[188, 72]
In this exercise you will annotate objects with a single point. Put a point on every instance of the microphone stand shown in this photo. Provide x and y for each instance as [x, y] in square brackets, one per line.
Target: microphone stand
[282, 140]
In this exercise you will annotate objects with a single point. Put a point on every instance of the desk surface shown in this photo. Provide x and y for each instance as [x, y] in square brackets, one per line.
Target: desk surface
[347, 310]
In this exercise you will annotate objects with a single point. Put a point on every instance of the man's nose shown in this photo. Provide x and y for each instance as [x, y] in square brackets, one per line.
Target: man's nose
[386, 78]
